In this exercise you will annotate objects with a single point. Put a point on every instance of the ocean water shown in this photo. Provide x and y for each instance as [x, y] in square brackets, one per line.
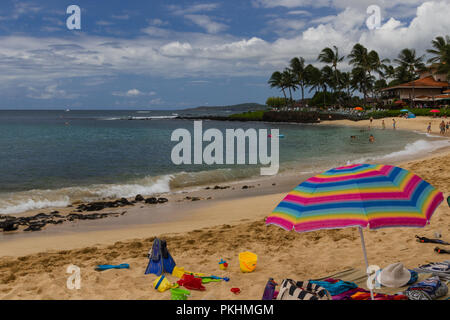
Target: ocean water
[53, 158]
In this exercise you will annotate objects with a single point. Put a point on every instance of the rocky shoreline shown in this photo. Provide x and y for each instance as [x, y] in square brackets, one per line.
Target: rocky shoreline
[88, 211]
[37, 222]
[281, 116]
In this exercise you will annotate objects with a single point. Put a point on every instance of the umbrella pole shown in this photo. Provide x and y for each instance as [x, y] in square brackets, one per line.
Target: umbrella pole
[365, 256]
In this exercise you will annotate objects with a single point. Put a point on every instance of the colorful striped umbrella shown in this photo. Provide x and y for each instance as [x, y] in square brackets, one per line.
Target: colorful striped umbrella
[362, 195]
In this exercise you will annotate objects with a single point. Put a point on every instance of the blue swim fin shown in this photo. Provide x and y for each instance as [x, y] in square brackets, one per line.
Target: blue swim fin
[168, 262]
[155, 264]
[108, 266]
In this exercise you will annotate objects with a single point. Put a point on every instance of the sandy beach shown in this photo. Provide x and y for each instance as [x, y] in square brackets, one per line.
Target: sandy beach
[219, 226]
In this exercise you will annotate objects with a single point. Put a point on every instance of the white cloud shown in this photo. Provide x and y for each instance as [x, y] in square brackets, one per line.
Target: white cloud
[176, 49]
[290, 3]
[206, 23]
[49, 92]
[103, 23]
[157, 22]
[156, 101]
[300, 12]
[179, 10]
[132, 93]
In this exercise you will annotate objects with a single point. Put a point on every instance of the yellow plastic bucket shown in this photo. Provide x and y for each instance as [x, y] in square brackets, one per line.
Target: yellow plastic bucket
[247, 261]
[162, 284]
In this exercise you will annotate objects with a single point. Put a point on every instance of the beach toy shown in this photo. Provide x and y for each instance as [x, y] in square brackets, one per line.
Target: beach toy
[179, 294]
[197, 274]
[208, 280]
[235, 290]
[162, 284]
[247, 261]
[223, 265]
[179, 272]
[108, 266]
[190, 282]
[218, 278]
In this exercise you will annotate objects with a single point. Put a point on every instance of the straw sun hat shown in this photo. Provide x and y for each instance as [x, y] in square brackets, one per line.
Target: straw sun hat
[395, 276]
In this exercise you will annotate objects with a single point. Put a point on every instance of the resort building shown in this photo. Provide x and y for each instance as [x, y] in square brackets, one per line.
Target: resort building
[431, 87]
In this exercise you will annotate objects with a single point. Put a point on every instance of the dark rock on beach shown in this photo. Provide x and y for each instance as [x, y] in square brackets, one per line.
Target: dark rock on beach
[139, 198]
[100, 205]
[9, 226]
[152, 200]
[162, 200]
[36, 226]
[221, 188]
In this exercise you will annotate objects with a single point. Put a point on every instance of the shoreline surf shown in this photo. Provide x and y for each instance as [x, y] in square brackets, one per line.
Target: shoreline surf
[178, 182]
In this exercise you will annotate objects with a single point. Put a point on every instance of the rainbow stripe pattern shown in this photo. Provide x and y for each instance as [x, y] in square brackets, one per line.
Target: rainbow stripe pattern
[373, 196]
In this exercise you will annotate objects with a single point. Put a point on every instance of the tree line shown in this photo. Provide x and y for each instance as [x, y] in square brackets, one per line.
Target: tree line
[368, 76]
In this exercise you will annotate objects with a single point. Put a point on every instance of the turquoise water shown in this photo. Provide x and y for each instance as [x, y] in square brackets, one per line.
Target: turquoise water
[52, 158]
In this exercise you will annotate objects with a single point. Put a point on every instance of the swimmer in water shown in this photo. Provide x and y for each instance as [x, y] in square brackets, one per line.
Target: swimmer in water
[371, 139]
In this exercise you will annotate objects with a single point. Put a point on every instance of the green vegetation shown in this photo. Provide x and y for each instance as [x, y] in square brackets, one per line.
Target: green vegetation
[243, 107]
[396, 113]
[248, 116]
[369, 75]
[276, 102]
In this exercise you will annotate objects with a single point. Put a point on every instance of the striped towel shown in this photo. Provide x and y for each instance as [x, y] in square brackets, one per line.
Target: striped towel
[302, 290]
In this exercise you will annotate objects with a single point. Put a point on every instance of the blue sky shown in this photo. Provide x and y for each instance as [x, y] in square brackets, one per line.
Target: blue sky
[146, 54]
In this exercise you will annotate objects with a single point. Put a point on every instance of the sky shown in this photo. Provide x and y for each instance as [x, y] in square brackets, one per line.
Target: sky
[168, 55]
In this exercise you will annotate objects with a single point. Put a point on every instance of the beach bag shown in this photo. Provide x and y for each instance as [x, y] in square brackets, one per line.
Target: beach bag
[302, 290]
[429, 289]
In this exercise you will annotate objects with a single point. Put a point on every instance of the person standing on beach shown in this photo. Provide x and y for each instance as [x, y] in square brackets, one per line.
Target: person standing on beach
[429, 128]
[394, 124]
[442, 127]
[383, 124]
[371, 120]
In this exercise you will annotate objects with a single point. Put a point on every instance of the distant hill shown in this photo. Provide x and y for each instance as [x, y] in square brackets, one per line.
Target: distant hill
[243, 107]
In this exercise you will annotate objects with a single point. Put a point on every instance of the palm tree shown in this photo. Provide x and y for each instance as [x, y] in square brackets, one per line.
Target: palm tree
[444, 66]
[362, 81]
[408, 62]
[288, 81]
[366, 63]
[359, 58]
[439, 44]
[441, 54]
[326, 80]
[345, 82]
[300, 73]
[276, 81]
[388, 72]
[313, 78]
[332, 57]
[379, 85]
[376, 64]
